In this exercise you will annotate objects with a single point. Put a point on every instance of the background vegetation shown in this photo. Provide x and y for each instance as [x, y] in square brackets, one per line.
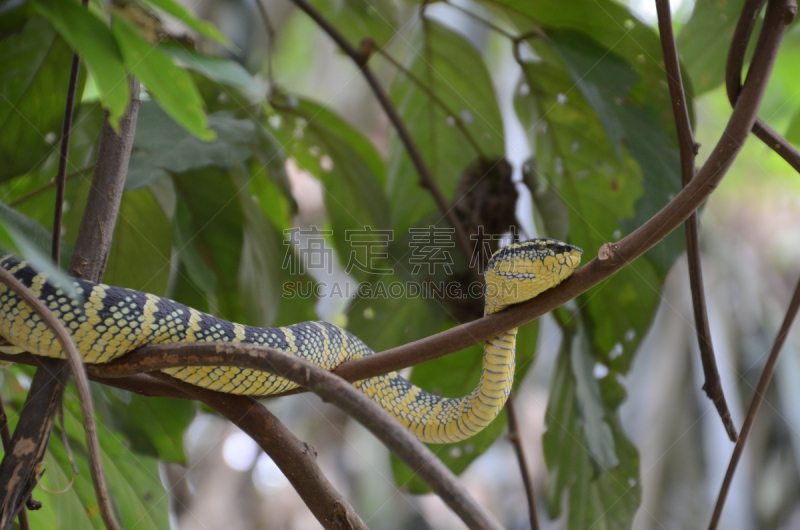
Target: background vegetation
[256, 123]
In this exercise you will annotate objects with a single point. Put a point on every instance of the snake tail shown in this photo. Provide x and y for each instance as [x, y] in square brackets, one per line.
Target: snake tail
[107, 322]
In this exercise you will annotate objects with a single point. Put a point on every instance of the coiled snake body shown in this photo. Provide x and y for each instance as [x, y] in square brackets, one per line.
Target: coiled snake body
[108, 322]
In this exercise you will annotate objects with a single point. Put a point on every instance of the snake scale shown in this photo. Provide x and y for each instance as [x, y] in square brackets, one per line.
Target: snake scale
[107, 322]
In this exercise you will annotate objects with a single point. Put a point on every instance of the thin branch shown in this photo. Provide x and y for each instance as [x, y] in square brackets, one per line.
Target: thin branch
[688, 148]
[457, 121]
[330, 388]
[426, 177]
[268, 29]
[87, 408]
[5, 434]
[515, 437]
[755, 403]
[63, 158]
[49, 185]
[481, 20]
[733, 82]
[295, 458]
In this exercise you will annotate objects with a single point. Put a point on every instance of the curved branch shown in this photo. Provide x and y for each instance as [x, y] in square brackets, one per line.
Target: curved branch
[330, 388]
[755, 403]
[87, 408]
[688, 148]
[733, 82]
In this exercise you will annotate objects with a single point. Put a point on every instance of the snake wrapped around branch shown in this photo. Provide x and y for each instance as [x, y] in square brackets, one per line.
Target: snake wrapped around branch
[107, 322]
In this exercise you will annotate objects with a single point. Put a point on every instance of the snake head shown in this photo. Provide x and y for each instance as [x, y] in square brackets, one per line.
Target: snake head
[521, 271]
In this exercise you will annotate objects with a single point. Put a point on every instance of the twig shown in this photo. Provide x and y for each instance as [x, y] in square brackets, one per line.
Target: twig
[733, 82]
[63, 158]
[755, 403]
[52, 184]
[426, 178]
[688, 148]
[330, 388]
[295, 458]
[268, 29]
[481, 20]
[5, 434]
[20, 446]
[458, 122]
[515, 437]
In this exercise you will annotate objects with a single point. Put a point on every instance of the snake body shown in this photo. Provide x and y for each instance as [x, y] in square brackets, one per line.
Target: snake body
[107, 322]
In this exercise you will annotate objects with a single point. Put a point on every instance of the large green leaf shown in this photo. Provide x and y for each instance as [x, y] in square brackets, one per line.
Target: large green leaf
[34, 72]
[585, 449]
[457, 375]
[455, 72]
[704, 41]
[594, 154]
[170, 85]
[161, 145]
[92, 40]
[350, 169]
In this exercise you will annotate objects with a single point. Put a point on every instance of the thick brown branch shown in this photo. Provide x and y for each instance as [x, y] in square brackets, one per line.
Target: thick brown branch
[425, 176]
[755, 403]
[733, 82]
[295, 458]
[330, 388]
[686, 146]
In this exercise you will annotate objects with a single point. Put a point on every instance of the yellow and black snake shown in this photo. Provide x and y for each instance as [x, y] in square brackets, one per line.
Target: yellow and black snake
[108, 322]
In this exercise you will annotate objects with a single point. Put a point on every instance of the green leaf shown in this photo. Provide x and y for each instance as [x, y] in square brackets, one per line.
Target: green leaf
[34, 72]
[453, 70]
[184, 15]
[606, 194]
[92, 40]
[154, 425]
[209, 237]
[579, 444]
[793, 131]
[348, 166]
[218, 69]
[704, 41]
[457, 375]
[171, 86]
[161, 145]
[606, 80]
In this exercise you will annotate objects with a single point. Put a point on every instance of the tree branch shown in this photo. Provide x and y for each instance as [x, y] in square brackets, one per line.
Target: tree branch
[330, 388]
[733, 82]
[15, 496]
[295, 458]
[688, 148]
[515, 438]
[425, 176]
[755, 403]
